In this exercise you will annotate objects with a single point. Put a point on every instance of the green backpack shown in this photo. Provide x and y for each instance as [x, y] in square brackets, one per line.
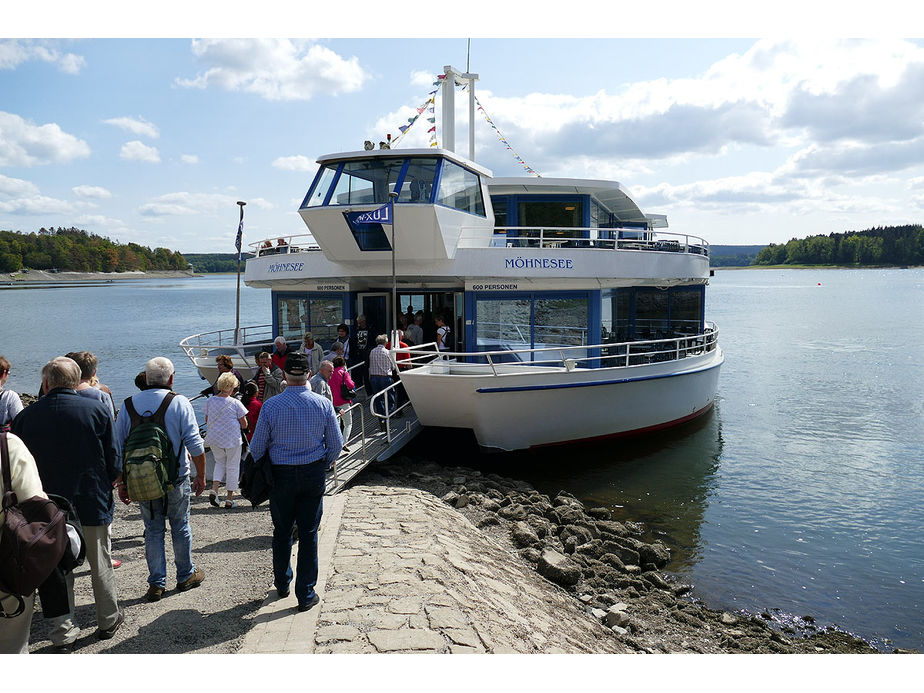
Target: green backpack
[149, 467]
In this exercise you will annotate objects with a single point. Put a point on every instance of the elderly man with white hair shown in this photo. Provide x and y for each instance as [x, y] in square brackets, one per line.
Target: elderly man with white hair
[183, 430]
[280, 351]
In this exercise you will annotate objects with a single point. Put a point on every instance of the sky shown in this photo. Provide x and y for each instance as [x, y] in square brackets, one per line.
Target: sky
[738, 141]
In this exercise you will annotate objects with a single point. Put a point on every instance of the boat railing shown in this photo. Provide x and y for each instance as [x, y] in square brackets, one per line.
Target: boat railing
[381, 400]
[606, 355]
[245, 344]
[574, 237]
[285, 245]
[360, 436]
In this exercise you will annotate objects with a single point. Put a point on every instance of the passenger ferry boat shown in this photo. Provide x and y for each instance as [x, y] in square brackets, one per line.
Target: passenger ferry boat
[575, 315]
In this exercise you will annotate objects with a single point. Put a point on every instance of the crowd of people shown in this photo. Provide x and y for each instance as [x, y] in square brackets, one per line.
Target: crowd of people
[296, 409]
[70, 444]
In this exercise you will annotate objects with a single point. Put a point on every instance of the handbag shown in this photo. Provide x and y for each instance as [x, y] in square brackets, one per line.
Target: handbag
[33, 537]
[256, 478]
[345, 392]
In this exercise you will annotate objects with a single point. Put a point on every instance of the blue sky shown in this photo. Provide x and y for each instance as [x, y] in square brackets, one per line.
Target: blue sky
[740, 141]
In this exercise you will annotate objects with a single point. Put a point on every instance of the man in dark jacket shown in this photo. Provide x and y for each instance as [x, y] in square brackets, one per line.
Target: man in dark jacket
[71, 439]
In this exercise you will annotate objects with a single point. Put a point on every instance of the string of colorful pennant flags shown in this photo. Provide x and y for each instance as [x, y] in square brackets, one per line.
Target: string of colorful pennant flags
[429, 106]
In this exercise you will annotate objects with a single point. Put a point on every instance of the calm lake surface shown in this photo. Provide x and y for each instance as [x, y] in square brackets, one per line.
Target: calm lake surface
[802, 493]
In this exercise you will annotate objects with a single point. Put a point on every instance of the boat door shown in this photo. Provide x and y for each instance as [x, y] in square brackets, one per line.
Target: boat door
[376, 307]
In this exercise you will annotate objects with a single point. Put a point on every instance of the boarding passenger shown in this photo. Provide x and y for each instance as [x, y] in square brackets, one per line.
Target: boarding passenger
[299, 431]
[380, 369]
[338, 379]
[183, 430]
[89, 384]
[414, 332]
[444, 341]
[252, 403]
[314, 352]
[225, 417]
[71, 438]
[343, 337]
[270, 379]
[224, 364]
[280, 351]
[10, 403]
[320, 381]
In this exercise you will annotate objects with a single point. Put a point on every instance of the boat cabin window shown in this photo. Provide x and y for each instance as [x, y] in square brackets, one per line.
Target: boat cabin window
[316, 313]
[417, 185]
[322, 181]
[460, 189]
[366, 181]
[533, 321]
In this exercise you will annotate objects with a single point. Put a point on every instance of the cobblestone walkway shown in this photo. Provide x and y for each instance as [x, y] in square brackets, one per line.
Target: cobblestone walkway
[402, 572]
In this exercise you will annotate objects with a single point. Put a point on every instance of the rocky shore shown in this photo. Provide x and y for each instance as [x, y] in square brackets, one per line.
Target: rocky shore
[608, 571]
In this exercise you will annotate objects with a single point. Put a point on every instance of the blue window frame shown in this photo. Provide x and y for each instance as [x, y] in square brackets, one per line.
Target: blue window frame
[297, 312]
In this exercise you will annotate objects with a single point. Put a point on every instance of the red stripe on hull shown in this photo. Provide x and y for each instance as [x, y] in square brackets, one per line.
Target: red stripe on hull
[634, 432]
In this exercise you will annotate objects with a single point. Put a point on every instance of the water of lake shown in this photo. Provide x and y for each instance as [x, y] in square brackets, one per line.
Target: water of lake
[803, 491]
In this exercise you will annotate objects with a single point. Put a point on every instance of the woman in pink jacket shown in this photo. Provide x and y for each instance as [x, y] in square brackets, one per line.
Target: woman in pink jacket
[340, 377]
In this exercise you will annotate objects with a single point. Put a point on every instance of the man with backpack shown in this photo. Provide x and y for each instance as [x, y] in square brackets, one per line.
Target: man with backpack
[156, 433]
[71, 439]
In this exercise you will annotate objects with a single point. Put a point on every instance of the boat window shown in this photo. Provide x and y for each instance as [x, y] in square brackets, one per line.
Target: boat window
[550, 216]
[418, 182]
[291, 317]
[531, 322]
[686, 310]
[460, 189]
[366, 181]
[318, 192]
[324, 314]
[651, 314]
[318, 314]
[503, 323]
[560, 322]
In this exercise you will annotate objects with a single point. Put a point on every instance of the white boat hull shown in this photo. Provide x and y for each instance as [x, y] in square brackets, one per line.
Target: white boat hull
[529, 406]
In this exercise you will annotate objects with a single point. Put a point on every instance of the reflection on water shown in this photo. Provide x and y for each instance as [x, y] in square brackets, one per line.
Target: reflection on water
[663, 481]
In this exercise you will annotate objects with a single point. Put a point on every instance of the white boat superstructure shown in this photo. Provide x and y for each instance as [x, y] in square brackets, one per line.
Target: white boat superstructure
[572, 314]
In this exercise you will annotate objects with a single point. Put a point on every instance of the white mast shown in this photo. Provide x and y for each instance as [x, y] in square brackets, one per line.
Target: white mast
[453, 77]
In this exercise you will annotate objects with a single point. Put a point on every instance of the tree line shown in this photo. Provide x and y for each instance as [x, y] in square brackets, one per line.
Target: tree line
[216, 262]
[882, 245]
[75, 250]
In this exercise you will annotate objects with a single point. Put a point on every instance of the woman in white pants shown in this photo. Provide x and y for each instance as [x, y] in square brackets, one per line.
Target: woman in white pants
[225, 418]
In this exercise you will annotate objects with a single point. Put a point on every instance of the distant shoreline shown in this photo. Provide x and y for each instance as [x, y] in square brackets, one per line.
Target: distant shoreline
[63, 277]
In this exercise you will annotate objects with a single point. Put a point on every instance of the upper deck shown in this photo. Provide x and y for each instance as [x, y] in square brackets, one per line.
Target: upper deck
[453, 220]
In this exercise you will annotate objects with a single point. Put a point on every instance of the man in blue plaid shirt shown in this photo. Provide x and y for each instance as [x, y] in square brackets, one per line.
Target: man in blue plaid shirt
[299, 430]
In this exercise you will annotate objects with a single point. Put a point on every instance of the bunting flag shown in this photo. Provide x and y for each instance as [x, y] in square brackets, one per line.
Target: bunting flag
[429, 106]
[504, 141]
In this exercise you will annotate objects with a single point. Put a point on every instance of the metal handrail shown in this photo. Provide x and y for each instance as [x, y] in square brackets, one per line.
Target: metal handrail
[387, 416]
[615, 353]
[289, 245]
[550, 237]
[362, 435]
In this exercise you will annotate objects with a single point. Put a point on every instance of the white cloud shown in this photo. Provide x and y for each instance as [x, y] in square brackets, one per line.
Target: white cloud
[138, 151]
[189, 158]
[297, 162]
[91, 191]
[11, 187]
[187, 203]
[136, 126]
[14, 52]
[274, 69]
[23, 143]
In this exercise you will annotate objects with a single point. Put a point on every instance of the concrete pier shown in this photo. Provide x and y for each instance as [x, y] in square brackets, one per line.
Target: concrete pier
[400, 571]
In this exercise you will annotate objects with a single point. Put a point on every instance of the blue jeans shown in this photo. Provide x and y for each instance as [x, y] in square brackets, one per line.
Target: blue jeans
[155, 514]
[379, 383]
[296, 499]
